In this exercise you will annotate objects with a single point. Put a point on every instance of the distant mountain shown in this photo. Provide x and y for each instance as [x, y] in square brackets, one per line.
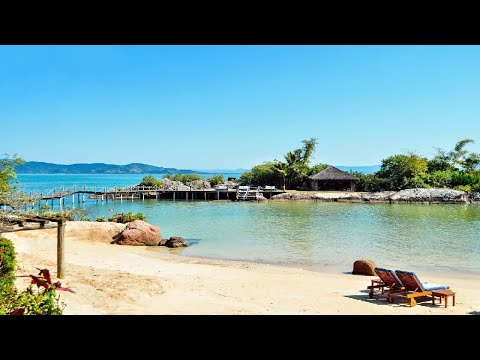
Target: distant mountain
[221, 171]
[363, 169]
[36, 167]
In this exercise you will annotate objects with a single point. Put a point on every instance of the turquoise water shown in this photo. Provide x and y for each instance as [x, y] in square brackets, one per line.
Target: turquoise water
[46, 182]
[323, 236]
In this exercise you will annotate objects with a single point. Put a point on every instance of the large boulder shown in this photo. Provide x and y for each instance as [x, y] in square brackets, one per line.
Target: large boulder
[139, 233]
[364, 267]
[432, 195]
[260, 197]
[176, 241]
[199, 184]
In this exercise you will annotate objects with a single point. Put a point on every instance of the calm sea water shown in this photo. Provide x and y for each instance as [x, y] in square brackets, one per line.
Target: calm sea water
[46, 182]
[322, 236]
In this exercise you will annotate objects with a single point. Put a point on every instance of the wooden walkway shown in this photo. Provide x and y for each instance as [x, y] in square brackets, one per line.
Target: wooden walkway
[80, 194]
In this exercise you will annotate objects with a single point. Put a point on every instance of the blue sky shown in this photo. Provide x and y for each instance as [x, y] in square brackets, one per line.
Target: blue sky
[235, 106]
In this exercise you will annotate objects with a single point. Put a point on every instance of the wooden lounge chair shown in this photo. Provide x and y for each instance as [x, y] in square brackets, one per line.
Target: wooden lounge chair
[414, 287]
[389, 280]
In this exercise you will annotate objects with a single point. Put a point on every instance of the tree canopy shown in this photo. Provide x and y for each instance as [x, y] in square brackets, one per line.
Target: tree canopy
[7, 170]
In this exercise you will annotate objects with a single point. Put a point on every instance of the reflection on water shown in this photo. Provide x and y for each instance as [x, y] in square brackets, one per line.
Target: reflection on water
[319, 235]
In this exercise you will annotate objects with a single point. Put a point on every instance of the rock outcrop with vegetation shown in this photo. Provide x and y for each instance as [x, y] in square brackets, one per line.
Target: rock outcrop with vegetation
[431, 196]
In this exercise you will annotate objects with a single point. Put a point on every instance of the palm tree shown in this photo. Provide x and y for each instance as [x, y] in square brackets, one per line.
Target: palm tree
[282, 169]
[293, 159]
[458, 153]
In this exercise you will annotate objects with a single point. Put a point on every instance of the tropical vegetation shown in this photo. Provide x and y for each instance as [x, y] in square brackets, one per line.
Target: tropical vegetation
[40, 300]
[457, 169]
[291, 173]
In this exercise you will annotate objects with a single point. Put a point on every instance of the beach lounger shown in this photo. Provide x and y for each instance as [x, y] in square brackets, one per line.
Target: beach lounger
[414, 287]
[389, 280]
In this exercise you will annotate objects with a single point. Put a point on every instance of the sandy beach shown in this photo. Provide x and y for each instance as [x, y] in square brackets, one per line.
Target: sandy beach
[114, 279]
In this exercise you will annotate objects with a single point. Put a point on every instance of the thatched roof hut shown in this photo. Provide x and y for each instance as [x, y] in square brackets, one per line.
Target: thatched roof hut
[332, 178]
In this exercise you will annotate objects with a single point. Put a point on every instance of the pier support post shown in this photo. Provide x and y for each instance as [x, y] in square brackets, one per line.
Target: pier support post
[143, 196]
[186, 195]
[174, 196]
[60, 248]
[205, 195]
[218, 195]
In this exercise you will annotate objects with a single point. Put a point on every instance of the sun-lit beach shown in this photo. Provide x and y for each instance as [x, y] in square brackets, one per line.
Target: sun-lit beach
[114, 279]
[278, 179]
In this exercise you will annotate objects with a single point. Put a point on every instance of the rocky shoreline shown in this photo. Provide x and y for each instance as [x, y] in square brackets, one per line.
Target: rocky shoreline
[423, 196]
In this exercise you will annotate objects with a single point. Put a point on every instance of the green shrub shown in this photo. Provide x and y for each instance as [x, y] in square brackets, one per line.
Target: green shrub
[101, 219]
[40, 301]
[216, 179]
[150, 180]
[68, 214]
[440, 179]
[466, 188]
[85, 218]
[8, 265]
[261, 175]
[123, 218]
[184, 178]
[37, 302]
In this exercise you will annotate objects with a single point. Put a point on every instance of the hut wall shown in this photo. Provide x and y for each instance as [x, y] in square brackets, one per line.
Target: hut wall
[335, 185]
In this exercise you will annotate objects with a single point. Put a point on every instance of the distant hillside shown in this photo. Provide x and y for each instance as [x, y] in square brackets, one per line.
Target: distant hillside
[221, 171]
[363, 169]
[36, 167]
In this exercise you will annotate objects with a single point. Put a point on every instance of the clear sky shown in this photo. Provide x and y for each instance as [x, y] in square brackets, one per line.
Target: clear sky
[235, 106]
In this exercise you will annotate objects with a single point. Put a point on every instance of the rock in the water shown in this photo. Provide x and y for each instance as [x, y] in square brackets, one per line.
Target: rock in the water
[139, 233]
[474, 197]
[260, 197]
[176, 241]
[380, 196]
[432, 195]
[364, 267]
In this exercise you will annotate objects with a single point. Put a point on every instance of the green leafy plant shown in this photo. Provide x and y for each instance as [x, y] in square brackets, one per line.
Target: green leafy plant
[85, 218]
[101, 219]
[466, 188]
[67, 214]
[184, 178]
[123, 218]
[216, 179]
[150, 180]
[43, 300]
[8, 265]
[40, 301]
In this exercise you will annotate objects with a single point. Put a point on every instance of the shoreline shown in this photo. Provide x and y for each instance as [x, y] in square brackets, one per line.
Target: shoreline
[115, 279]
[329, 269]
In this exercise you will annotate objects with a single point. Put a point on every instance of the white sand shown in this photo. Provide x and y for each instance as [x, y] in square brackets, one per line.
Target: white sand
[115, 279]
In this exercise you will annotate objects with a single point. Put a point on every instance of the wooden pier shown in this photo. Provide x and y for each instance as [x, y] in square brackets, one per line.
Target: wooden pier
[77, 195]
